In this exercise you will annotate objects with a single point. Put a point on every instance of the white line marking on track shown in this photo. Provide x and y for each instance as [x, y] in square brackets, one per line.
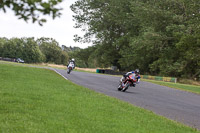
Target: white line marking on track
[60, 74]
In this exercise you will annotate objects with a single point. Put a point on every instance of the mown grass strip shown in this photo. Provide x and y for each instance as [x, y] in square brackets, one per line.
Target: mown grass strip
[185, 87]
[33, 65]
[37, 100]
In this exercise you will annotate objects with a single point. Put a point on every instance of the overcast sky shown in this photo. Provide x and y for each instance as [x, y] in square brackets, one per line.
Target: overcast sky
[61, 29]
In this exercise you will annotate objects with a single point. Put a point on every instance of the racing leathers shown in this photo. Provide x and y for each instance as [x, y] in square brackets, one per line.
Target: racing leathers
[71, 63]
[137, 76]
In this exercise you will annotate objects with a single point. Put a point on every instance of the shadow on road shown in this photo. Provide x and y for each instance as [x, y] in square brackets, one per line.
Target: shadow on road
[131, 92]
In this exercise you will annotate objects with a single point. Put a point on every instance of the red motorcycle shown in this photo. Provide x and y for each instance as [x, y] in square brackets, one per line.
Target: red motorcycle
[129, 81]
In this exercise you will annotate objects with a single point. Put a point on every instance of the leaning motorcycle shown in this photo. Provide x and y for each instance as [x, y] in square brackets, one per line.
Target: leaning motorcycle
[129, 81]
[69, 68]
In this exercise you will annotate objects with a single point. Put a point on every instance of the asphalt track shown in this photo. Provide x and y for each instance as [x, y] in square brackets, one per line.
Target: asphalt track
[181, 106]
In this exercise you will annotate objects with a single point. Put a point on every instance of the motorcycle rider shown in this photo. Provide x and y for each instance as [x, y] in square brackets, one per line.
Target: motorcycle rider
[71, 63]
[137, 74]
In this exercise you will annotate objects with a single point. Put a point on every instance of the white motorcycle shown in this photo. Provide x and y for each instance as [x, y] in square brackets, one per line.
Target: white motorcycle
[70, 68]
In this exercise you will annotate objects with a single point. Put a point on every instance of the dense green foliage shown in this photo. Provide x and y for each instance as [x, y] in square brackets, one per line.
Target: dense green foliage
[32, 9]
[33, 51]
[70, 49]
[158, 37]
[35, 100]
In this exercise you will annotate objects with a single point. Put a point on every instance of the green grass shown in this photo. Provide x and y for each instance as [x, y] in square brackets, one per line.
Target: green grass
[34, 100]
[185, 87]
[32, 65]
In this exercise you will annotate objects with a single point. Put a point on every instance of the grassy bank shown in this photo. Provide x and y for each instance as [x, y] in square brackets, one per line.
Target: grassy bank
[185, 87]
[37, 100]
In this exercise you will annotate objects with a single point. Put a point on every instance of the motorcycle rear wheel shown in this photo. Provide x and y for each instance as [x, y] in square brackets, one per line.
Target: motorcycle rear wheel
[119, 88]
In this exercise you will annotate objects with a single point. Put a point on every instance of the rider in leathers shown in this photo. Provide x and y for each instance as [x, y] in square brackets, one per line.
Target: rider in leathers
[71, 63]
[128, 74]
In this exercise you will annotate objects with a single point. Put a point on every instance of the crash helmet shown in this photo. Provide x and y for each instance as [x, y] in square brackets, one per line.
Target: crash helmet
[137, 71]
[73, 59]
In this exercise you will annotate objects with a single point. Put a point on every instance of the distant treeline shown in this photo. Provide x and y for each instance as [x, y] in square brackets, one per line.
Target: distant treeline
[34, 51]
[159, 37]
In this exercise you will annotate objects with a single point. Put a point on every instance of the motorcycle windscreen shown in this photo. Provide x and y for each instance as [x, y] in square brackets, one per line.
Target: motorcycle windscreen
[71, 65]
[132, 76]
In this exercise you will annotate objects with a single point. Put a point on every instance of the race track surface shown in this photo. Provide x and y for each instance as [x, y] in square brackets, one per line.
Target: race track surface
[174, 104]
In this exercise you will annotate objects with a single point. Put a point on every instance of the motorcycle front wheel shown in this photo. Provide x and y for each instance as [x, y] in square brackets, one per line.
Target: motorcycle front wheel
[68, 71]
[119, 88]
[126, 86]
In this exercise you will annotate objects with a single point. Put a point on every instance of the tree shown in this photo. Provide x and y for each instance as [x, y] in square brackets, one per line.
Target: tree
[64, 58]
[109, 22]
[10, 48]
[158, 37]
[2, 43]
[70, 49]
[50, 48]
[31, 52]
[31, 9]
[25, 48]
[189, 49]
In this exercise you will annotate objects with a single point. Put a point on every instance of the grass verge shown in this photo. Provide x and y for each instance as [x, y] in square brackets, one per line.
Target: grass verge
[185, 87]
[37, 100]
[45, 65]
[180, 86]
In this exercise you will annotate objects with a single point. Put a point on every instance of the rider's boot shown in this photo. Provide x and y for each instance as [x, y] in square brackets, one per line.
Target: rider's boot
[134, 84]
